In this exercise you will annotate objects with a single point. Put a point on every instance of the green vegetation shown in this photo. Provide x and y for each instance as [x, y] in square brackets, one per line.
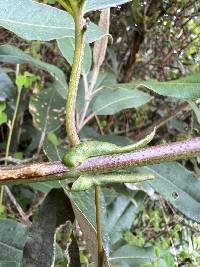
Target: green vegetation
[63, 81]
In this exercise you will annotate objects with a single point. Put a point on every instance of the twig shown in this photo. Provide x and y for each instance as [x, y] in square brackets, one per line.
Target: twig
[99, 124]
[47, 171]
[16, 161]
[17, 206]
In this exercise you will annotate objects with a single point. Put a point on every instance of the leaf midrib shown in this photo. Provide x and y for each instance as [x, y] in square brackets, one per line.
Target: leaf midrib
[9, 246]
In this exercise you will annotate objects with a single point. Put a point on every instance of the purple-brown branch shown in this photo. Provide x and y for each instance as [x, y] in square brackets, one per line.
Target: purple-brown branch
[56, 170]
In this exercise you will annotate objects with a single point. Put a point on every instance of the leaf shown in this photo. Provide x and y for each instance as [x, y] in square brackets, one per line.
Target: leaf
[92, 5]
[55, 210]
[9, 264]
[52, 137]
[35, 21]
[115, 139]
[104, 78]
[178, 186]
[110, 101]
[53, 151]
[195, 109]
[3, 116]
[47, 108]
[186, 88]
[117, 215]
[121, 215]
[13, 236]
[26, 80]
[66, 46]
[6, 86]
[45, 187]
[133, 256]
[84, 209]
[13, 55]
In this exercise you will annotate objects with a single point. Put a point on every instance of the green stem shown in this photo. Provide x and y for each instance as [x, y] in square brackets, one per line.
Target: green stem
[1, 195]
[98, 226]
[71, 108]
[12, 125]
[74, 79]
[66, 6]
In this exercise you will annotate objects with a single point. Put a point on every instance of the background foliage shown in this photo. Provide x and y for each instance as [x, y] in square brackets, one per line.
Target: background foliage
[150, 76]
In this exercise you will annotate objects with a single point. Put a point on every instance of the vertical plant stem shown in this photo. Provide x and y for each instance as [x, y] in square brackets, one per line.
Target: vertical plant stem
[74, 80]
[71, 126]
[11, 127]
[12, 124]
[98, 226]
[1, 195]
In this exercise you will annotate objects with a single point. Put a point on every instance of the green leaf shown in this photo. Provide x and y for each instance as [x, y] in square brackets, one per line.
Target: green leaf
[53, 151]
[53, 138]
[105, 78]
[13, 236]
[110, 101]
[3, 115]
[13, 55]
[45, 187]
[195, 109]
[92, 5]
[121, 215]
[178, 186]
[40, 247]
[66, 46]
[186, 88]
[47, 108]
[117, 215]
[9, 264]
[133, 256]
[18, 155]
[115, 139]
[169, 259]
[35, 21]
[26, 80]
[84, 209]
[6, 86]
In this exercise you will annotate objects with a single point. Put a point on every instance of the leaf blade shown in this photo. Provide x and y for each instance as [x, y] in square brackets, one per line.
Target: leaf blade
[110, 101]
[26, 19]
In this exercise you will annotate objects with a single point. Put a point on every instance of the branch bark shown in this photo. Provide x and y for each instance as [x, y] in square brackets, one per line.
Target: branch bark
[46, 171]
